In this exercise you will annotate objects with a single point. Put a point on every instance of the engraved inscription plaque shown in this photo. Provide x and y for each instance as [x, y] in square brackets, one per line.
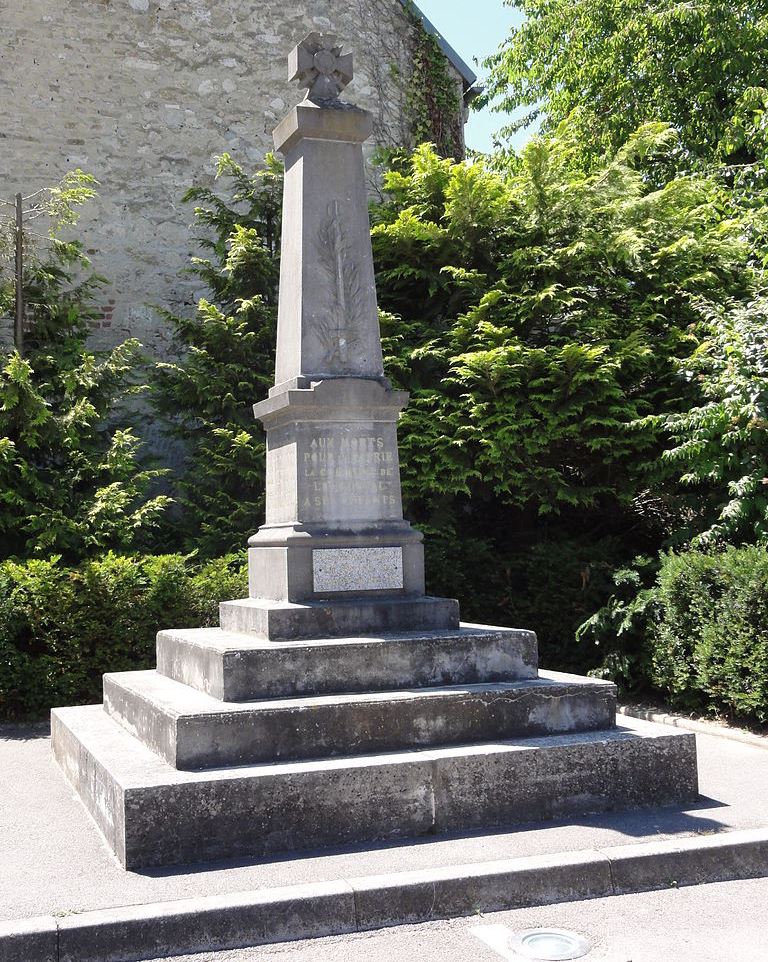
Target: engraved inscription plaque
[357, 569]
[348, 472]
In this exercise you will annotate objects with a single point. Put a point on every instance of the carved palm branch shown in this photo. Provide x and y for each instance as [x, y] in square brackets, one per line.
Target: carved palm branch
[338, 330]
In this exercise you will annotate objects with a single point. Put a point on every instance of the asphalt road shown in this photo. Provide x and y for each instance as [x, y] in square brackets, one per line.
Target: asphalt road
[725, 922]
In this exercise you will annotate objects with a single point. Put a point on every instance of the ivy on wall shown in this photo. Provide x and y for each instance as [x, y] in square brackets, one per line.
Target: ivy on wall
[433, 105]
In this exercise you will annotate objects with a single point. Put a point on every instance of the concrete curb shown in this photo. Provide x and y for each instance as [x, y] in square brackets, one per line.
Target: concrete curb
[694, 725]
[246, 919]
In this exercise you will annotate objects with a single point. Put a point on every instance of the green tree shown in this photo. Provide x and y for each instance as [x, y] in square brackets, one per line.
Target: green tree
[536, 317]
[719, 446]
[225, 359]
[70, 478]
[615, 64]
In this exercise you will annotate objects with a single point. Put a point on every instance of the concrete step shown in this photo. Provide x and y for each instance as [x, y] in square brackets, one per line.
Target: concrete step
[286, 621]
[192, 731]
[154, 815]
[236, 667]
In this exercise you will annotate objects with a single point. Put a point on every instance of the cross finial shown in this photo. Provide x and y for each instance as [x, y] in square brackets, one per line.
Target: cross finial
[318, 64]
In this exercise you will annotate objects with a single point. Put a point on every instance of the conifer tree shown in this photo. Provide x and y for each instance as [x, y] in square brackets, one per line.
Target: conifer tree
[225, 359]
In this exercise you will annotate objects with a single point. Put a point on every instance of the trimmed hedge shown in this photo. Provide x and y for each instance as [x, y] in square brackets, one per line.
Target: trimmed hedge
[61, 628]
[708, 636]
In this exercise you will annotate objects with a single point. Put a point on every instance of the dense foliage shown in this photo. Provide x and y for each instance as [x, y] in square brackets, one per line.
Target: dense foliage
[71, 482]
[601, 71]
[62, 627]
[614, 64]
[537, 317]
[581, 327]
[698, 631]
[721, 443]
[225, 360]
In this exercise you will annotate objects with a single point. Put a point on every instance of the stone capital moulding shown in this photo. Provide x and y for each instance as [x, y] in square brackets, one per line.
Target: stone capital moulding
[345, 124]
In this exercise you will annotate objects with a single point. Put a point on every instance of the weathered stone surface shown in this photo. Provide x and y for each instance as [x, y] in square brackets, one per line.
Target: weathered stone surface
[90, 773]
[337, 570]
[288, 572]
[283, 621]
[193, 731]
[467, 889]
[232, 667]
[593, 772]
[690, 861]
[333, 481]
[171, 817]
[33, 940]
[252, 918]
[321, 67]
[333, 474]
[328, 323]
[207, 924]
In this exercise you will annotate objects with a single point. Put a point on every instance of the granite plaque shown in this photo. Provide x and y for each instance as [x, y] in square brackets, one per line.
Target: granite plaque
[357, 569]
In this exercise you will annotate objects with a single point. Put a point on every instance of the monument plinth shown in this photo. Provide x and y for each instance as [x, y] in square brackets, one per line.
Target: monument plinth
[338, 703]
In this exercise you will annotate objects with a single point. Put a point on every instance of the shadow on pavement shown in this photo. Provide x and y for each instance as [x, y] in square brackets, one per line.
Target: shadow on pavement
[25, 732]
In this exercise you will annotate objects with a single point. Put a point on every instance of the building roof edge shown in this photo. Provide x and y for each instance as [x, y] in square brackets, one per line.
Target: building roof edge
[468, 75]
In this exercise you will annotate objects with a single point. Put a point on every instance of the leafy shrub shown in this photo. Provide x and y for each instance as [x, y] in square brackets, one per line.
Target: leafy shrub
[697, 632]
[61, 628]
[709, 649]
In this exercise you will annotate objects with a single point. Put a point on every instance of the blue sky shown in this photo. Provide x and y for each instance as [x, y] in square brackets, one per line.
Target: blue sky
[475, 28]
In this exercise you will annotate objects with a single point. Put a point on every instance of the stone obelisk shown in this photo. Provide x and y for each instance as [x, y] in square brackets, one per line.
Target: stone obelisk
[335, 555]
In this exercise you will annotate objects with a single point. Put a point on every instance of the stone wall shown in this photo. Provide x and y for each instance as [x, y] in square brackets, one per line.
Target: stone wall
[144, 94]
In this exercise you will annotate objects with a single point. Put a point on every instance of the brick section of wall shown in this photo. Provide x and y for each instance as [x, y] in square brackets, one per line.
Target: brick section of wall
[144, 94]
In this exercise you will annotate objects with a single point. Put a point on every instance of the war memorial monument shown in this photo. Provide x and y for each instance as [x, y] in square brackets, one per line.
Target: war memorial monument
[339, 703]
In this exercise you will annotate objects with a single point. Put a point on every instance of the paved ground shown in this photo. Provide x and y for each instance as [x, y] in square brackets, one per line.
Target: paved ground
[726, 922]
[54, 861]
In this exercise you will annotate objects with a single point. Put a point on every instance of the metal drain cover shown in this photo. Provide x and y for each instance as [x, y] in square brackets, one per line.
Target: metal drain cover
[549, 945]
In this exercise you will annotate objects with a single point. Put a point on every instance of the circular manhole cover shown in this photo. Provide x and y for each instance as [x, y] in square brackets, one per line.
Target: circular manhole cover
[550, 945]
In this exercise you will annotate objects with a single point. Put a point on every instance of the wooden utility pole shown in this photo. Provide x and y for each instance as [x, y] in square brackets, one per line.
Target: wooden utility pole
[18, 330]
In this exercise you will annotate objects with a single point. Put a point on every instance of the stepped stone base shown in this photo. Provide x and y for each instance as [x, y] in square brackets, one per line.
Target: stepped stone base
[243, 746]
[286, 621]
[191, 730]
[236, 667]
[152, 814]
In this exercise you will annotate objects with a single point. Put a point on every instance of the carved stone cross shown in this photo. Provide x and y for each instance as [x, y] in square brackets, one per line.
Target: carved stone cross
[318, 64]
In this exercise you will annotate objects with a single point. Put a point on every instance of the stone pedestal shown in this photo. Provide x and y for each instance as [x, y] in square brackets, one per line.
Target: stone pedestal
[338, 703]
